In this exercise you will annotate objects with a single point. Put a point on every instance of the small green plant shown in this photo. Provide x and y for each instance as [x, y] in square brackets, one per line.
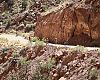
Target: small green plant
[24, 4]
[24, 61]
[34, 39]
[93, 74]
[15, 55]
[39, 43]
[93, 60]
[47, 65]
[98, 52]
[79, 48]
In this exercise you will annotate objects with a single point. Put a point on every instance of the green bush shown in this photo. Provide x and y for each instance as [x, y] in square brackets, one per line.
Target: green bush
[47, 65]
[39, 43]
[43, 69]
[79, 48]
[93, 74]
[24, 61]
[34, 39]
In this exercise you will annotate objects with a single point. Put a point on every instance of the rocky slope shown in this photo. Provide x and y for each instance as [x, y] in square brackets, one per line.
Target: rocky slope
[70, 64]
[77, 23]
[22, 14]
[74, 23]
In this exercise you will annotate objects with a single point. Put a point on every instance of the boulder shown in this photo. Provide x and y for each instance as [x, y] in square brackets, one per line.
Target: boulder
[76, 25]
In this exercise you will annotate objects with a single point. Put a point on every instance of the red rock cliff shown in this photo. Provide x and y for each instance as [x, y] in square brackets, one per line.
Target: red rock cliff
[76, 25]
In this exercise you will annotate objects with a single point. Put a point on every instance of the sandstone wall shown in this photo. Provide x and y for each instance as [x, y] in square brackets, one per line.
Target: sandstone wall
[72, 25]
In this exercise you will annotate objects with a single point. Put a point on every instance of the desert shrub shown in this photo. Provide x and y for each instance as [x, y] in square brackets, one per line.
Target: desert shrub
[47, 65]
[98, 52]
[6, 18]
[39, 43]
[24, 61]
[93, 74]
[45, 7]
[59, 1]
[24, 4]
[43, 69]
[23, 72]
[34, 39]
[79, 48]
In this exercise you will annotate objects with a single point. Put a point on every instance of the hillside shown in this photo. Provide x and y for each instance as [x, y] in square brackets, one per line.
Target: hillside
[49, 40]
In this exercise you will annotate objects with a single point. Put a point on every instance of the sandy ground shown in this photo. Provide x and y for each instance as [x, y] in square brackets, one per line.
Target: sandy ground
[12, 39]
[70, 46]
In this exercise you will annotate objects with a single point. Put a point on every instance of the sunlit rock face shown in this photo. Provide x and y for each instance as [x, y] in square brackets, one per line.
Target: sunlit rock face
[78, 24]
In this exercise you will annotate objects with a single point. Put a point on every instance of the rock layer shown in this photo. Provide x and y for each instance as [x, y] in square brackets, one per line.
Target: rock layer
[76, 25]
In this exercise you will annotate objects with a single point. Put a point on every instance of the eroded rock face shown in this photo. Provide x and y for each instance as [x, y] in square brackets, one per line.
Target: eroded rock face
[72, 25]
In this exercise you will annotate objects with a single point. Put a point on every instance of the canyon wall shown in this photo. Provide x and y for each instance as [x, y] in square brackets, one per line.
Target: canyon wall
[76, 24]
